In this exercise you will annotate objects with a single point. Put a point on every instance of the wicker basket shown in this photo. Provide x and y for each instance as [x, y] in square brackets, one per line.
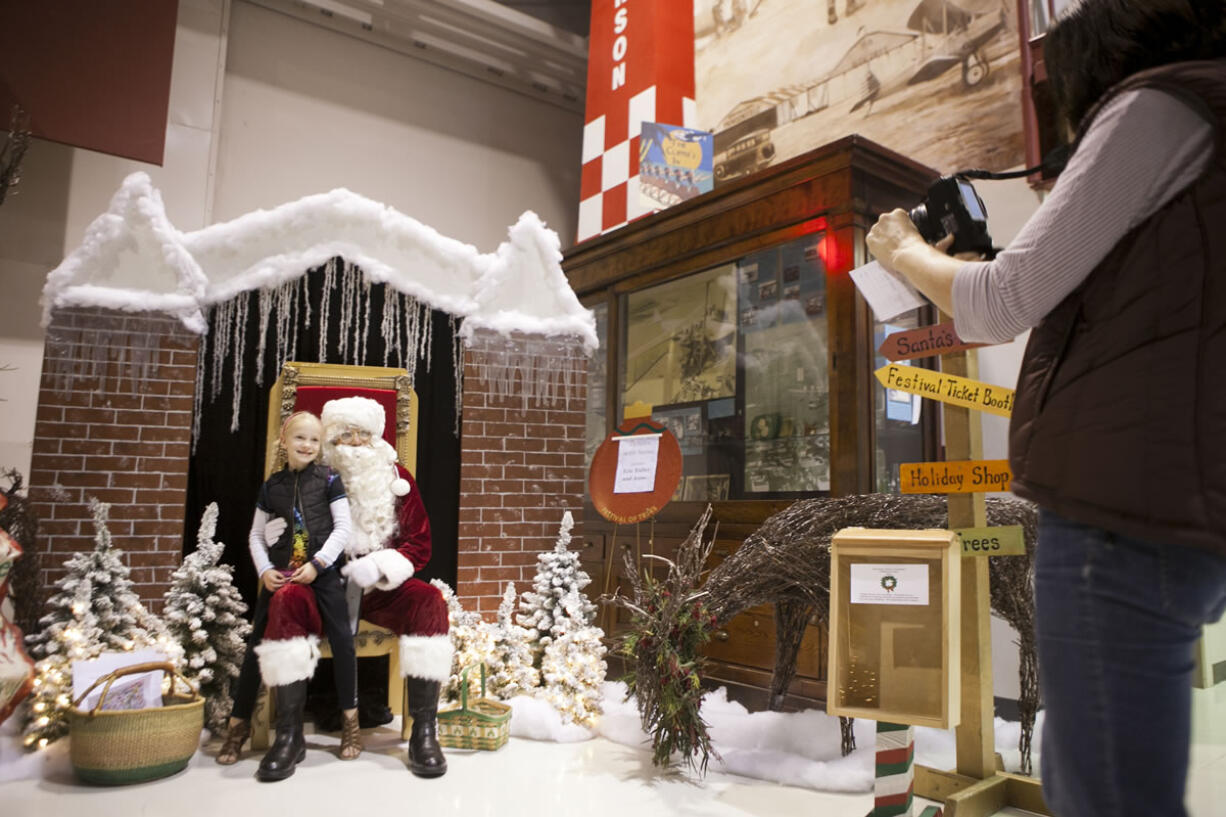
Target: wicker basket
[484, 725]
[111, 747]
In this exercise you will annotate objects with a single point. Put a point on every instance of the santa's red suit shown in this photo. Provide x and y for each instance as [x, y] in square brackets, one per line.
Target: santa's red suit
[411, 608]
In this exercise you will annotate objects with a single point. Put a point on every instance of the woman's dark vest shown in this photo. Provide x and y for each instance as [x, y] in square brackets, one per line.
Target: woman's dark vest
[312, 490]
[1120, 418]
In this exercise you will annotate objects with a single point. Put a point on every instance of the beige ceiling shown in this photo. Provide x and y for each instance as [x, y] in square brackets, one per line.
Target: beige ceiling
[492, 41]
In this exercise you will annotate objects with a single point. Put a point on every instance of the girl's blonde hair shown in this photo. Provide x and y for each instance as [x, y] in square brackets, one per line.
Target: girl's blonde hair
[293, 418]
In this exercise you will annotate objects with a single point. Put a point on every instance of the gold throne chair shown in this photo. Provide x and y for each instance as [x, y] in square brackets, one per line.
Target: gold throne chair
[306, 387]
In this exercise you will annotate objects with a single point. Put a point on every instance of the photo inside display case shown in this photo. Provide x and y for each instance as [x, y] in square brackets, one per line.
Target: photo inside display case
[733, 361]
[786, 395]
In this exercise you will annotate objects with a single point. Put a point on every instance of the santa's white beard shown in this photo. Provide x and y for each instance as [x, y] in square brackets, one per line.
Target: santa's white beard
[368, 474]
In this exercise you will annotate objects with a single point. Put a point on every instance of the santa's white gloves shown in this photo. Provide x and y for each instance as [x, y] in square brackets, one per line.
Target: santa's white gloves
[364, 571]
[273, 530]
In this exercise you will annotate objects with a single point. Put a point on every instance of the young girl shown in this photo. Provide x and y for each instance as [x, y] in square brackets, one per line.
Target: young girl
[299, 532]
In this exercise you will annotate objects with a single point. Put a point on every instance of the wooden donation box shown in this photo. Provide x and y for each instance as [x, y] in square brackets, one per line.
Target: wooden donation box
[895, 605]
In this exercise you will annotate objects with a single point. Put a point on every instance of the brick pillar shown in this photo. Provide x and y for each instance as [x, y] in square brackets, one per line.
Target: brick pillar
[114, 422]
[521, 461]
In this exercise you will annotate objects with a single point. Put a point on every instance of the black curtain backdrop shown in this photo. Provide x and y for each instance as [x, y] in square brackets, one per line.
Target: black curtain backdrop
[227, 468]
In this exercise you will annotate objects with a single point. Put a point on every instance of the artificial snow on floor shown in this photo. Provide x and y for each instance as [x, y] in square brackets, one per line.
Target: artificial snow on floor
[793, 748]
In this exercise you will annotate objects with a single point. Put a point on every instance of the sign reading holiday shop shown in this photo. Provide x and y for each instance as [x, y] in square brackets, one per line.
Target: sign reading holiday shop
[640, 69]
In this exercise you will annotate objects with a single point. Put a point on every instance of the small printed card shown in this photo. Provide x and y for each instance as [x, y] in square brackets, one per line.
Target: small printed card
[889, 584]
[138, 691]
[637, 455]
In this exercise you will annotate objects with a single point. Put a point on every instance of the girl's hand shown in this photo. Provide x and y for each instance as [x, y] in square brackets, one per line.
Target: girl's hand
[273, 580]
[305, 574]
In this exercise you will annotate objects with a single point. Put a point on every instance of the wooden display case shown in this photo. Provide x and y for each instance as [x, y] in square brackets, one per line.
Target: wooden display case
[895, 611]
[773, 428]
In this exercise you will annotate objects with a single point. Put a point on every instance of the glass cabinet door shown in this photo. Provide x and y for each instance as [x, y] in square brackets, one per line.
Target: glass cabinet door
[733, 360]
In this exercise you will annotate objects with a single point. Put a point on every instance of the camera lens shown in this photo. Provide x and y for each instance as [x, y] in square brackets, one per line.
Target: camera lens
[919, 217]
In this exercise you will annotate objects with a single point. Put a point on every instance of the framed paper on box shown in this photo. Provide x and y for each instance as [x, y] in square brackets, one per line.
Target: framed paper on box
[895, 602]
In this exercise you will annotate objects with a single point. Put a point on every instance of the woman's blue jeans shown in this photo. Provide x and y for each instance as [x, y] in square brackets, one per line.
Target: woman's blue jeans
[1117, 622]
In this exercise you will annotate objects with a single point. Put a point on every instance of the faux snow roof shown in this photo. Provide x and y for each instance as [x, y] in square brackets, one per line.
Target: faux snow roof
[133, 259]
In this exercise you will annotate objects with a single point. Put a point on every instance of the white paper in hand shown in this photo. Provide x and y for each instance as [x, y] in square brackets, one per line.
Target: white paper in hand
[888, 295]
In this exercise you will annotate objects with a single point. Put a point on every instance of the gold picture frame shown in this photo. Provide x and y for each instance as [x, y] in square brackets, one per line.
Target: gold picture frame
[282, 398]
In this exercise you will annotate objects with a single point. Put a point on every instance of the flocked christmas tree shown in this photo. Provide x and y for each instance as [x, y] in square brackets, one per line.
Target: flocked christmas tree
[204, 614]
[473, 639]
[510, 667]
[95, 610]
[573, 666]
[568, 649]
[557, 574]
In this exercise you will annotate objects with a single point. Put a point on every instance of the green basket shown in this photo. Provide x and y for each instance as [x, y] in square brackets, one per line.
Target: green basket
[113, 747]
[486, 724]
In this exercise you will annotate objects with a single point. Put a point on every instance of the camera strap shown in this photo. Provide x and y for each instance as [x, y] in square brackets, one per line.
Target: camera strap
[1054, 162]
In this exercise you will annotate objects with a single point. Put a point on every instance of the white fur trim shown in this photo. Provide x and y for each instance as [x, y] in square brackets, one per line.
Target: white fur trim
[396, 569]
[426, 656]
[286, 661]
[400, 487]
[362, 412]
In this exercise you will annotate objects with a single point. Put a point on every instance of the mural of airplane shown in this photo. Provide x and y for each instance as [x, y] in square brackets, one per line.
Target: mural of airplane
[940, 35]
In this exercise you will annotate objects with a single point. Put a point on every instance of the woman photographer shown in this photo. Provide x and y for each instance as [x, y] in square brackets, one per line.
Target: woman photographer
[1119, 430]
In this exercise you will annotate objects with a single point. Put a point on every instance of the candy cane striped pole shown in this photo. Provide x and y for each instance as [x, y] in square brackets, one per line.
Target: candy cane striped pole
[895, 778]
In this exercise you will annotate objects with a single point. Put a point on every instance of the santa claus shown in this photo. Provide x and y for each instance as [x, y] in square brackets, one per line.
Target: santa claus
[389, 542]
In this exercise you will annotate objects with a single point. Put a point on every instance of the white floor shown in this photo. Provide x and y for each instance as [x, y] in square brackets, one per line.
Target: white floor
[595, 778]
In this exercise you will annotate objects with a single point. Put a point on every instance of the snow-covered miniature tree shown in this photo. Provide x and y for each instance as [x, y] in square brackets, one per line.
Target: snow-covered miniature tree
[204, 614]
[573, 666]
[510, 667]
[558, 574]
[95, 610]
[473, 640]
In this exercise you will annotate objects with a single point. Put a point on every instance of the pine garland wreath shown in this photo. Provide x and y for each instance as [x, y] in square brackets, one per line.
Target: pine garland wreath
[573, 667]
[95, 611]
[205, 614]
[510, 667]
[473, 640]
[557, 575]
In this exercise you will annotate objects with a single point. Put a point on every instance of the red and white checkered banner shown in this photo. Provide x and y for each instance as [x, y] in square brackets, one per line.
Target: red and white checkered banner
[640, 69]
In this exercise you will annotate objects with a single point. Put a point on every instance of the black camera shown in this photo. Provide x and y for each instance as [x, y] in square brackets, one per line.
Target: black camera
[953, 206]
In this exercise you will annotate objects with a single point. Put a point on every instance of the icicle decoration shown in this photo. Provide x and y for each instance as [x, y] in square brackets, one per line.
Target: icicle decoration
[85, 353]
[198, 397]
[404, 324]
[457, 366]
[325, 303]
[539, 369]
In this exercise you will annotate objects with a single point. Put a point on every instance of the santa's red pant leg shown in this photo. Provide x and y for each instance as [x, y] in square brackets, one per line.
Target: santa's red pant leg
[417, 613]
[289, 650]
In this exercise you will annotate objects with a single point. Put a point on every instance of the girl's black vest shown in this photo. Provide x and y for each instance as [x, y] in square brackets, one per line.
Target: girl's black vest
[1120, 420]
[310, 485]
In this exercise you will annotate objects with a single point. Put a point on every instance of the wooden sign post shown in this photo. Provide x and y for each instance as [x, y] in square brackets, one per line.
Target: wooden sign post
[976, 788]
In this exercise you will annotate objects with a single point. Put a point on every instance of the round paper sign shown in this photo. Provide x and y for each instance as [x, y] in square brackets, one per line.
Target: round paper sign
[626, 508]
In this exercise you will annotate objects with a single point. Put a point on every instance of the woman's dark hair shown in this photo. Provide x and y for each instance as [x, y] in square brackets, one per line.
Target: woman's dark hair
[1098, 43]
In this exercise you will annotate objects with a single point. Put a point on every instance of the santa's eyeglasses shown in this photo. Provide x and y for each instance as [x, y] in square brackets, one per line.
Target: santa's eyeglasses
[351, 436]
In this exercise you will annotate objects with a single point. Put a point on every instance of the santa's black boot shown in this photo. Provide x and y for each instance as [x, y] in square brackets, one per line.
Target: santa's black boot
[425, 755]
[289, 746]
